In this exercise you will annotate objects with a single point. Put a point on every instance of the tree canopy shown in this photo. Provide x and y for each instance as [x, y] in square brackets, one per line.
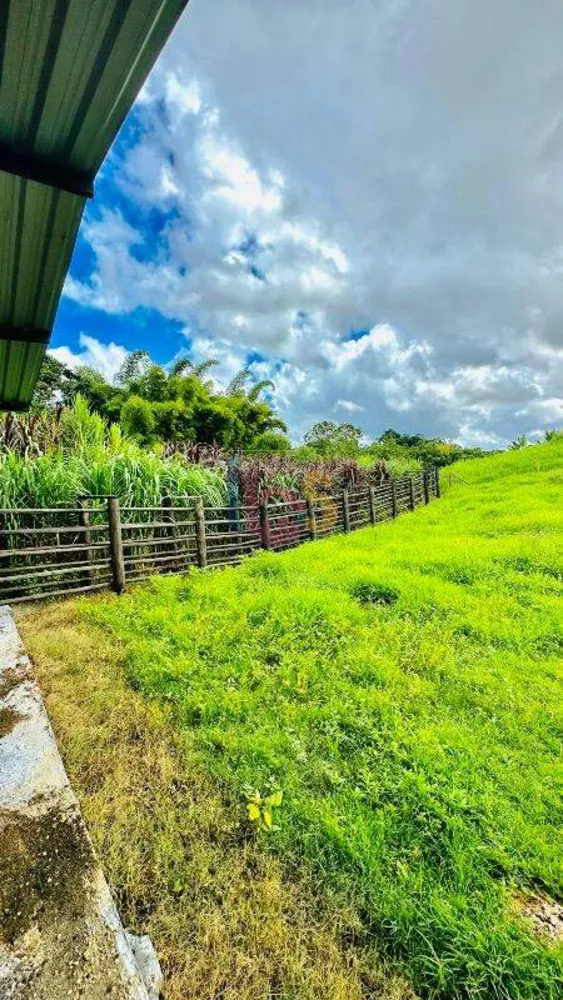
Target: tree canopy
[329, 440]
[179, 404]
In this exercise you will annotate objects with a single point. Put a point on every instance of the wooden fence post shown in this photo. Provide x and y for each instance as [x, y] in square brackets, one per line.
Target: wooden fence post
[4, 544]
[84, 522]
[393, 499]
[201, 541]
[437, 481]
[168, 515]
[116, 546]
[311, 520]
[372, 510]
[265, 525]
[411, 493]
[346, 510]
[235, 524]
[425, 486]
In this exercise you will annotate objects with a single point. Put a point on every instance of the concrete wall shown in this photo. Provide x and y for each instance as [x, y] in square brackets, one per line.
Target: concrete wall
[60, 933]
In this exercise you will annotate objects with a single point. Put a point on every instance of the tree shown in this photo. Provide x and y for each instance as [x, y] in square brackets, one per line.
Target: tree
[270, 443]
[137, 419]
[332, 440]
[56, 383]
[101, 397]
[259, 387]
[178, 405]
[174, 421]
[183, 365]
[237, 384]
[133, 367]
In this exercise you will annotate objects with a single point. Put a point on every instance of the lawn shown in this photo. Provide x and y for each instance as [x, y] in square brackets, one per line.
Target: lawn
[387, 705]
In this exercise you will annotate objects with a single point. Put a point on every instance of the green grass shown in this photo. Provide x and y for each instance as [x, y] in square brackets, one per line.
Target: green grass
[227, 920]
[402, 687]
[86, 457]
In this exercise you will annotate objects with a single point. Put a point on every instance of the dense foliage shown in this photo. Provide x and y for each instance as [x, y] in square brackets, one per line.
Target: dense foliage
[288, 478]
[403, 451]
[182, 407]
[404, 699]
[54, 455]
[50, 461]
[178, 405]
[154, 432]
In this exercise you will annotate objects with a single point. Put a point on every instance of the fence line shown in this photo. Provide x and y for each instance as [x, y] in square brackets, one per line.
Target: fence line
[100, 544]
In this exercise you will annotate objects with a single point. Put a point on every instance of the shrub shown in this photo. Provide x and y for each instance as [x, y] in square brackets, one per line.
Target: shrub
[137, 419]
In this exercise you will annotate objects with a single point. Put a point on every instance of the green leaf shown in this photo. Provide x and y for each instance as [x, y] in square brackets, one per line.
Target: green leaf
[275, 799]
[267, 818]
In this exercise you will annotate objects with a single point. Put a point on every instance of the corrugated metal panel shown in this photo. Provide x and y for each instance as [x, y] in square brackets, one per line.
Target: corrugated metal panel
[70, 70]
[39, 227]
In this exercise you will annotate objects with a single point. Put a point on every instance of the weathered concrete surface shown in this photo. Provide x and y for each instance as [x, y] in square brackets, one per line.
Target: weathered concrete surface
[147, 962]
[60, 933]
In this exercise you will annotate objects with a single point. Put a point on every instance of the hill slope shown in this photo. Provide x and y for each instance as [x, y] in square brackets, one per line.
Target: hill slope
[400, 686]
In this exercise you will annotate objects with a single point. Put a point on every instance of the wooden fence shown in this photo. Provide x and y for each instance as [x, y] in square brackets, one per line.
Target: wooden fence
[100, 543]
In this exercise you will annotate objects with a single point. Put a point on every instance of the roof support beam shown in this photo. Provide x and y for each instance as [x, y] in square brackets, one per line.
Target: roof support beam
[44, 171]
[16, 406]
[24, 334]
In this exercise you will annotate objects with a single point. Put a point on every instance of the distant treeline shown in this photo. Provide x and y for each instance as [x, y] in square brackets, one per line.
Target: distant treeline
[154, 433]
[181, 406]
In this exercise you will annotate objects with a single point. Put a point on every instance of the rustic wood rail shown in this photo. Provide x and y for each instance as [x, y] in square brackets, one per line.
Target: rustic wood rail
[101, 543]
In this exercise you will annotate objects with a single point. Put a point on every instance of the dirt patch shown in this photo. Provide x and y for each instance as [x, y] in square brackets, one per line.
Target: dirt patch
[13, 676]
[543, 914]
[48, 880]
[8, 719]
[43, 862]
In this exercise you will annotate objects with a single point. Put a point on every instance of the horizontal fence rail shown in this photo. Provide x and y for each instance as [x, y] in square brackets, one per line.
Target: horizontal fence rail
[100, 543]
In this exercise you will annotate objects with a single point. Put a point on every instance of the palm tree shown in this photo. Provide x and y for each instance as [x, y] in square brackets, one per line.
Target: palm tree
[236, 386]
[183, 365]
[259, 387]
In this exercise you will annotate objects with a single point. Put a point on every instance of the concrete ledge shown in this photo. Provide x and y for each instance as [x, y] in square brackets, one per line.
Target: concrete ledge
[60, 933]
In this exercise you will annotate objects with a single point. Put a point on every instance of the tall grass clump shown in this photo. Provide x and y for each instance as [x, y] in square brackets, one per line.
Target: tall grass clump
[92, 459]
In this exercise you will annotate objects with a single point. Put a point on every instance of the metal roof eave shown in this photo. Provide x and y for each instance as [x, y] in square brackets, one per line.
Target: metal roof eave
[44, 171]
[69, 72]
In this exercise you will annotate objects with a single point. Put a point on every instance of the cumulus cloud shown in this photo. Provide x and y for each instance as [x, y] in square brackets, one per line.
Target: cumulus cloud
[349, 405]
[368, 204]
[105, 358]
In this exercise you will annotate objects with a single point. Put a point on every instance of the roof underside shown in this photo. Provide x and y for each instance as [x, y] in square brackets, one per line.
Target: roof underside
[69, 72]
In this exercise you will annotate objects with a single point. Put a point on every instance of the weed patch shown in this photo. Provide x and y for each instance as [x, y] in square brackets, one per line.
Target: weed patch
[375, 593]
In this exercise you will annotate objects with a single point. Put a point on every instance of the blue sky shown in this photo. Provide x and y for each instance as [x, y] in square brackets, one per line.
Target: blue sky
[142, 327]
[363, 200]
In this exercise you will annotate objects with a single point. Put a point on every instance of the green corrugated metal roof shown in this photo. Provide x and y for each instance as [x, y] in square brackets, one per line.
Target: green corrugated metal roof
[69, 72]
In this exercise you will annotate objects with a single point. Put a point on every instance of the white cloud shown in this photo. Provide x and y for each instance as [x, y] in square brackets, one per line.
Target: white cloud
[349, 405]
[322, 175]
[186, 98]
[105, 358]
[238, 257]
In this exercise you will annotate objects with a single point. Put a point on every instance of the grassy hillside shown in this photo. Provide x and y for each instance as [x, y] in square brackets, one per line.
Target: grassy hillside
[399, 688]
